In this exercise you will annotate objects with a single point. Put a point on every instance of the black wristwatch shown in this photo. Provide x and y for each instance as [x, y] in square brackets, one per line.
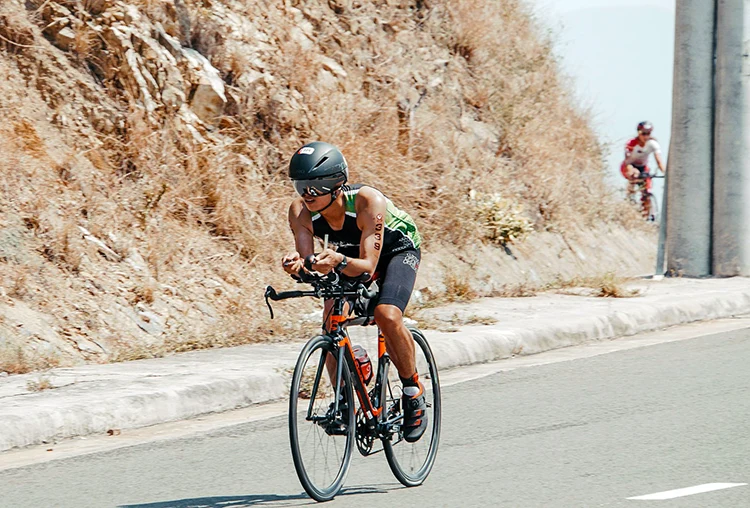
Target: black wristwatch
[340, 267]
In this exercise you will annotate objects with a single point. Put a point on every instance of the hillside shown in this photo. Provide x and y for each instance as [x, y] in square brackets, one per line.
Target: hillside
[145, 144]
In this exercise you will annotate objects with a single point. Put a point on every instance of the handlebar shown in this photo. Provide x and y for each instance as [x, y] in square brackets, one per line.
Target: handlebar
[644, 176]
[326, 286]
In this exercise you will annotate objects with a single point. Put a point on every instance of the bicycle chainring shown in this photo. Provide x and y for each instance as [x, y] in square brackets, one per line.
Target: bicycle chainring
[364, 436]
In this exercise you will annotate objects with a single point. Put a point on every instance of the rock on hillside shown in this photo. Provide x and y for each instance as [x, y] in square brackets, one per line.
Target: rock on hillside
[144, 145]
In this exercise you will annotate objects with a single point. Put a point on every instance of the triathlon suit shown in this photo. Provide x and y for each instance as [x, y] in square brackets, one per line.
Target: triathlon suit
[638, 155]
[399, 255]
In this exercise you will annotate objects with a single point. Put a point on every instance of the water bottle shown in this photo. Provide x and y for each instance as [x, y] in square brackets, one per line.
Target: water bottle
[363, 361]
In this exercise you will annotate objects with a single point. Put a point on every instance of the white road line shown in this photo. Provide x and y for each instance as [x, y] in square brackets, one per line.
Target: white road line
[687, 491]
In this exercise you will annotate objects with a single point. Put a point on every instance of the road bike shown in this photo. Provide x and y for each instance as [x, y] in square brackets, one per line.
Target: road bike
[324, 424]
[649, 204]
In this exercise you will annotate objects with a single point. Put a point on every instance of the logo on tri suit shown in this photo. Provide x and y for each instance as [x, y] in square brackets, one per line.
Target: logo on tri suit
[404, 243]
[411, 260]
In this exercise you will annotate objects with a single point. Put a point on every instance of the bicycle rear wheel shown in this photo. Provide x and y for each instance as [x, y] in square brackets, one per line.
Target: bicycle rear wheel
[321, 441]
[650, 208]
[412, 462]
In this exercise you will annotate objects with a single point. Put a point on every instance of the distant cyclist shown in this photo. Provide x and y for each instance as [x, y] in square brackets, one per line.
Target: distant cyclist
[368, 234]
[637, 151]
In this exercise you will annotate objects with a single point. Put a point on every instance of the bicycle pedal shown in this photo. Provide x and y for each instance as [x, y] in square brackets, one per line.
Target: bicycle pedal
[335, 429]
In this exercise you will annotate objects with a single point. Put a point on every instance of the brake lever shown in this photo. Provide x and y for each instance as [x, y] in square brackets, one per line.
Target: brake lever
[367, 293]
[270, 293]
[332, 277]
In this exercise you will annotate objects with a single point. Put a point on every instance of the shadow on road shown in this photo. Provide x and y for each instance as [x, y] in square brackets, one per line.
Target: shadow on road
[255, 500]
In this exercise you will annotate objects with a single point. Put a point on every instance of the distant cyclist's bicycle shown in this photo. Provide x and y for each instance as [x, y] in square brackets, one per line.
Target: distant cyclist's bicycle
[323, 423]
[649, 205]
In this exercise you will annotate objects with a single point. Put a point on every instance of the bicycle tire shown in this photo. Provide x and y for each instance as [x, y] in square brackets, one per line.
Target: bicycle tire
[651, 208]
[314, 480]
[403, 458]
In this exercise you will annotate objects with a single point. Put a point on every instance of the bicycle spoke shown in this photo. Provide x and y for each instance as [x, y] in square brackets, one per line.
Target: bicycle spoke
[412, 462]
[321, 448]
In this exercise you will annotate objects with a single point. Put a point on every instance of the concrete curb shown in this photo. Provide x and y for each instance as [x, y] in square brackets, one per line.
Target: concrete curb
[96, 398]
[24, 426]
[485, 344]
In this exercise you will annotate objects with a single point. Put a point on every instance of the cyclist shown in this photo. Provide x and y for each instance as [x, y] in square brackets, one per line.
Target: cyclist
[637, 151]
[370, 235]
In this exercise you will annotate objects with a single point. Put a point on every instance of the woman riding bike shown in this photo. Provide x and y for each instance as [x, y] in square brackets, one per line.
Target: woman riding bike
[370, 235]
[637, 152]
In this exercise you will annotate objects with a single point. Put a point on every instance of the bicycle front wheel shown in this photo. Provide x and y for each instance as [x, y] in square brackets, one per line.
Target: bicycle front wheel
[412, 462]
[322, 439]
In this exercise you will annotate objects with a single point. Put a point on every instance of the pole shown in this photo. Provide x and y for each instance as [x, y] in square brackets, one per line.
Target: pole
[689, 189]
[660, 254]
[731, 221]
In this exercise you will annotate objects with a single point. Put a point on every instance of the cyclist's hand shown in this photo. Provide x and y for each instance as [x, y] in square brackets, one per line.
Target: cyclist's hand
[327, 261]
[292, 263]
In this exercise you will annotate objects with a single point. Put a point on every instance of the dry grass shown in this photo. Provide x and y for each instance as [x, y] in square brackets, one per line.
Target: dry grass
[519, 290]
[452, 323]
[457, 287]
[40, 384]
[16, 359]
[493, 115]
[607, 285]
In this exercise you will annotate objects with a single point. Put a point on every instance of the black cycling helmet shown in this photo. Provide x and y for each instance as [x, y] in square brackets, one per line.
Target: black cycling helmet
[645, 127]
[318, 168]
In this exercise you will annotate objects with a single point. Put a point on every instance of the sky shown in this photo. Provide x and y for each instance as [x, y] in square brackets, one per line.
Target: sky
[618, 55]
[571, 5]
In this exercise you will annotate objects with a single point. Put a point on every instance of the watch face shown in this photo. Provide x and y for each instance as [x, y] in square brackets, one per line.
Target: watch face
[343, 264]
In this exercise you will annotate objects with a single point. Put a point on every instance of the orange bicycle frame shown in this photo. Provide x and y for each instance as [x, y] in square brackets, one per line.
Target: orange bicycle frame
[337, 331]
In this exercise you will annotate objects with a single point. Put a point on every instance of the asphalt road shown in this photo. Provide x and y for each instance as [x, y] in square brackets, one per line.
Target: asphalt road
[588, 432]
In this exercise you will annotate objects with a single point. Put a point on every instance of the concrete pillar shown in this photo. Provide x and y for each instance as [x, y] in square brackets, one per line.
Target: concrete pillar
[731, 220]
[690, 166]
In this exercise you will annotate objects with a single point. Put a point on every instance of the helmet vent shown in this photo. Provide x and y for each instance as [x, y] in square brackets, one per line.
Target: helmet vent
[320, 162]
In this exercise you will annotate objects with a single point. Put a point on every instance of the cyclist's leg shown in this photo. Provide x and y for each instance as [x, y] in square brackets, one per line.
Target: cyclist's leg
[646, 171]
[398, 340]
[399, 274]
[630, 173]
[399, 277]
[645, 188]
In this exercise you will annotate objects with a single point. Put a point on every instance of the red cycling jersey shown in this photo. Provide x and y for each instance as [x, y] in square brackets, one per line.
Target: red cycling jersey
[637, 155]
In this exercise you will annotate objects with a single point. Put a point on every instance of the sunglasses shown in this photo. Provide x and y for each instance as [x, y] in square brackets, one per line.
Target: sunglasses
[316, 187]
[645, 133]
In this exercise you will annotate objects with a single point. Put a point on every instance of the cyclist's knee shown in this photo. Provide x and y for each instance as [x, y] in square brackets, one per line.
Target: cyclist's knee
[388, 315]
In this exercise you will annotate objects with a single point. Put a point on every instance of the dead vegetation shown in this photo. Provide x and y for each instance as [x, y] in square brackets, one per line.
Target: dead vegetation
[452, 323]
[144, 221]
[39, 384]
[19, 358]
[606, 285]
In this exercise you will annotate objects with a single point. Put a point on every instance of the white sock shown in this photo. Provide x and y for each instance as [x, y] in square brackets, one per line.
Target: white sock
[411, 391]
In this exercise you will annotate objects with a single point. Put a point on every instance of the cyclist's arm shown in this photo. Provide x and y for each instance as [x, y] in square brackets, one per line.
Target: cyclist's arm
[660, 162]
[628, 151]
[300, 223]
[371, 220]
